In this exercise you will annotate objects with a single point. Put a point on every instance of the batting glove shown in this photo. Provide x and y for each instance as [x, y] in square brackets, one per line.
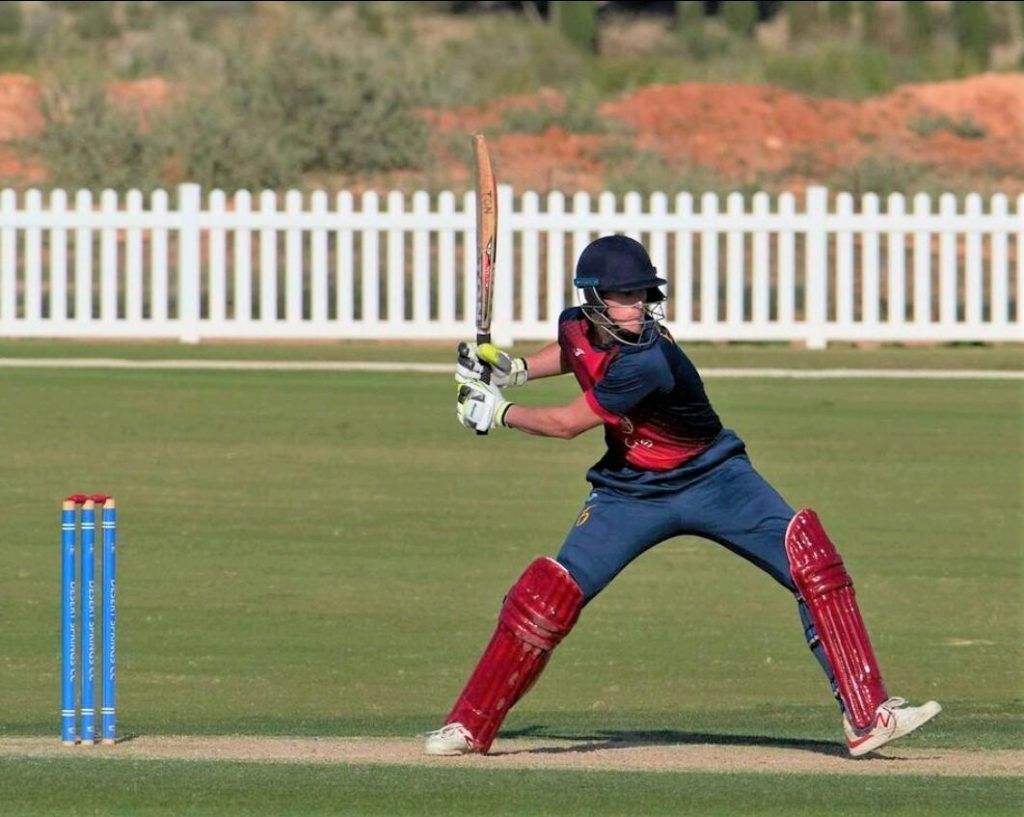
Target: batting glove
[505, 369]
[481, 406]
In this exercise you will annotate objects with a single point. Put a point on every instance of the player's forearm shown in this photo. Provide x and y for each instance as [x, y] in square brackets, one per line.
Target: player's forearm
[546, 362]
[564, 422]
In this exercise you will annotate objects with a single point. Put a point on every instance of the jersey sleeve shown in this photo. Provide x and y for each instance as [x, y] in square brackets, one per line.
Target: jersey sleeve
[630, 379]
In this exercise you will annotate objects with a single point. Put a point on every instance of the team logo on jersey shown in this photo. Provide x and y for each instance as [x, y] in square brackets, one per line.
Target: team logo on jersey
[578, 352]
[626, 425]
[581, 520]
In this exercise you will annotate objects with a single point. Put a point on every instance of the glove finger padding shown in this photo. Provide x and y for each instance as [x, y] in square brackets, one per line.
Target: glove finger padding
[505, 369]
[480, 406]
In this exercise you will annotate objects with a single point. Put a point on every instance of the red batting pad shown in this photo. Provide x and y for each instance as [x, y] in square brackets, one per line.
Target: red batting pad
[821, 578]
[538, 613]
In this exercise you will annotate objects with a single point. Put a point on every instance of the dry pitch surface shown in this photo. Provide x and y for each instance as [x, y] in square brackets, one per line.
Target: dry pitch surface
[546, 754]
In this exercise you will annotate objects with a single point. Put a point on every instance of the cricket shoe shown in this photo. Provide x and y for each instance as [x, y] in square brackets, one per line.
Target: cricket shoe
[893, 719]
[450, 739]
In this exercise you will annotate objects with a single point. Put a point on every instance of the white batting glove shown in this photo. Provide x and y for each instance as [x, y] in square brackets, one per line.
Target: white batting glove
[481, 406]
[505, 370]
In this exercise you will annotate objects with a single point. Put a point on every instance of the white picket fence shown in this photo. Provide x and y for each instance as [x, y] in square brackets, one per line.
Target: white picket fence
[837, 269]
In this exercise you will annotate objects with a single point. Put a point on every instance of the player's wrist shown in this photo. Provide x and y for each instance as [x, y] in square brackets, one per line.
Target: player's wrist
[501, 414]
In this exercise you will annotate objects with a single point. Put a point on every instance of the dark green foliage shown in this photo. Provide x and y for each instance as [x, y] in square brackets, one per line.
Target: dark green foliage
[577, 20]
[804, 18]
[973, 28]
[689, 13]
[840, 13]
[10, 17]
[95, 21]
[965, 128]
[578, 115]
[919, 22]
[298, 107]
[740, 15]
[870, 21]
[90, 143]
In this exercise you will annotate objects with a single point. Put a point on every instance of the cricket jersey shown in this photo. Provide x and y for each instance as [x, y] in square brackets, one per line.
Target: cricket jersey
[657, 416]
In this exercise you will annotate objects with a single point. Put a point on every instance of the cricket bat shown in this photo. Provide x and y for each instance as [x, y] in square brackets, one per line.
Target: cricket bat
[486, 243]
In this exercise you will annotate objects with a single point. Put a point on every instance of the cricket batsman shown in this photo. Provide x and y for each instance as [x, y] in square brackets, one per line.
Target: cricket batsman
[671, 468]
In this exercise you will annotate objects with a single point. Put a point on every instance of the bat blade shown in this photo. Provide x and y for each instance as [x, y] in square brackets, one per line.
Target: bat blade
[486, 243]
[486, 237]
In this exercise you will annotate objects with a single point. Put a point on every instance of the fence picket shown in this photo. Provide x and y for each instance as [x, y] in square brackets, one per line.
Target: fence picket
[896, 257]
[947, 262]
[242, 258]
[318, 260]
[421, 259]
[134, 294]
[869, 263]
[556, 273]
[158, 259]
[972, 262]
[446, 289]
[83, 260]
[922, 262]
[1000, 299]
[58, 259]
[268, 260]
[683, 284]
[34, 258]
[709, 262]
[528, 303]
[293, 258]
[217, 297]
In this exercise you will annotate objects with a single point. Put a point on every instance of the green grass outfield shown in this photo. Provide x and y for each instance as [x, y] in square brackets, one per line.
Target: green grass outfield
[324, 553]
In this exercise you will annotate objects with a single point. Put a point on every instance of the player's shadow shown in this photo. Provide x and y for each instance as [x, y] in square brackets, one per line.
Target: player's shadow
[628, 739]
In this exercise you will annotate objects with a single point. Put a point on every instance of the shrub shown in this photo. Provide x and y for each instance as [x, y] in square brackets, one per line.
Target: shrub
[10, 17]
[973, 28]
[90, 143]
[919, 22]
[740, 15]
[577, 20]
[301, 106]
[579, 115]
[966, 128]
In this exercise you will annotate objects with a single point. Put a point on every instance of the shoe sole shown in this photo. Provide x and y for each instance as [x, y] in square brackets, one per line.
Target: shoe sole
[928, 711]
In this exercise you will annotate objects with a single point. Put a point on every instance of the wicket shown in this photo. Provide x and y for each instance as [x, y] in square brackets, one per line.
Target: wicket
[69, 605]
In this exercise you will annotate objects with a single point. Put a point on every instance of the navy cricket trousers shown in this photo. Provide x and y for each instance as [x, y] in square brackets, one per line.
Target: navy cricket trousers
[718, 496]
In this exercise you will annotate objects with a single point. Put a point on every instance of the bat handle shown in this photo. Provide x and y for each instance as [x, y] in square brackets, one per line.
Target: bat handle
[485, 375]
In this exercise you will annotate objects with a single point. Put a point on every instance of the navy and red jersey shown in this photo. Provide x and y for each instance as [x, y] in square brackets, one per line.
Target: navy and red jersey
[657, 416]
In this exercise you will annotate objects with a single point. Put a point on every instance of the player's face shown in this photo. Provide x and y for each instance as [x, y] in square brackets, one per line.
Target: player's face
[626, 309]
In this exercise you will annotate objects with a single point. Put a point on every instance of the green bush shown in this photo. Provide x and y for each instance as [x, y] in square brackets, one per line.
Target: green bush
[300, 107]
[463, 72]
[579, 115]
[973, 27]
[965, 128]
[645, 172]
[95, 21]
[88, 142]
[740, 15]
[874, 175]
[840, 14]
[577, 20]
[10, 17]
[833, 69]
[919, 23]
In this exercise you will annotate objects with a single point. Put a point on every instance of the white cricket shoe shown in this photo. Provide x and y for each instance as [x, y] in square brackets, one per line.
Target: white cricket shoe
[450, 739]
[893, 719]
